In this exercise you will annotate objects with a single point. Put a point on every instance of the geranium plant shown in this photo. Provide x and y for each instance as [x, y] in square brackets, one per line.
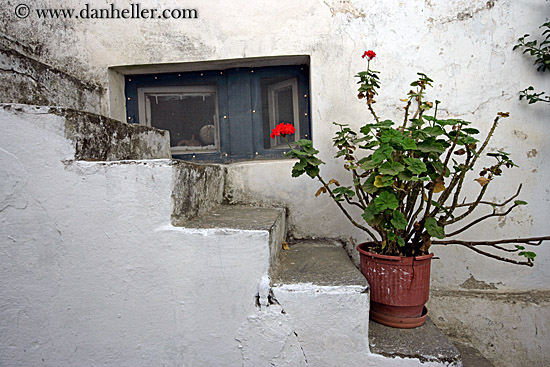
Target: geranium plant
[407, 176]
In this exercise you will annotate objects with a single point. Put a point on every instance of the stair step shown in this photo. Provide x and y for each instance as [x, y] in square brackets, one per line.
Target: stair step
[426, 343]
[236, 217]
[242, 218]
[327, 299]
[319, 262]
[471, 357]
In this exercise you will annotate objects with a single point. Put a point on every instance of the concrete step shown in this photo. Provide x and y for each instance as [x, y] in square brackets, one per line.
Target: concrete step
[227, 254]
[426, 343]
[312, 302]
[327, 298]
[470, 356]
[242, 218]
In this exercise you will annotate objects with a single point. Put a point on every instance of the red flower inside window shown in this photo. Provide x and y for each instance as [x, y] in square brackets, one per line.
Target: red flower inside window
[282, 130]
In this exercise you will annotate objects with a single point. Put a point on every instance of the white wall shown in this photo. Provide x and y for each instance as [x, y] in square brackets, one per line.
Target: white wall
[465, 46]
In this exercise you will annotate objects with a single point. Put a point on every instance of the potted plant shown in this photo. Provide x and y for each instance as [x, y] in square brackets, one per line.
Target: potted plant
[406, 179]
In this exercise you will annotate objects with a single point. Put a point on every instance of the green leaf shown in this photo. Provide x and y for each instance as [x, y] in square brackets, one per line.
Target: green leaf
[528, 254]
[423, 178]
[408, 144]
[415, 165]
[386, 200]
[304, 143]
[417, 122]
[406, 175]
[433, 131]
[367, 163]
[470, 130]
[383, 124]
[433, 229]
[297, 153]
[399, 220]
[360, 140]
[365, 129]
[369, 215]
[299, 168]
[312, 171]
[382, 153]
[520, 202]
[391, 136]
[370, 145]
[450, 122]
[391, 168]
[343, 191]
[314, 161]
[310, 150]
[428, 146]
[400, 241]
[383, 181]
[368, 186]
[340, 153]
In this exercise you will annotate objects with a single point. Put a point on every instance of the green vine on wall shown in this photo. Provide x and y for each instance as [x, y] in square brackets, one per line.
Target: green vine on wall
[541, 53]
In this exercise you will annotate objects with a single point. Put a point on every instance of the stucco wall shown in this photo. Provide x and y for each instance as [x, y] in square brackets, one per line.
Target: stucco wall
[465, 46]
[510, 329]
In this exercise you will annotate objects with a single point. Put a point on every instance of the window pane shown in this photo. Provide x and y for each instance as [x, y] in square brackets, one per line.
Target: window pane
[283, 107]
[279, 104]
[189, 116]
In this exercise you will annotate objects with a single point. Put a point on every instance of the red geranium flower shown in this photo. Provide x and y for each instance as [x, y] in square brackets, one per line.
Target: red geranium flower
[282, 130]
[370, 54]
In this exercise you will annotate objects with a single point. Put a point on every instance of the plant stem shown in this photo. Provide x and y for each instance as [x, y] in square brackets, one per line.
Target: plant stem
[533, 241]
[345, 211]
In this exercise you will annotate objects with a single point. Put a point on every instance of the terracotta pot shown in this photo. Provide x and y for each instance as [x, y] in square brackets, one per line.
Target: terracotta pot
[400, 287]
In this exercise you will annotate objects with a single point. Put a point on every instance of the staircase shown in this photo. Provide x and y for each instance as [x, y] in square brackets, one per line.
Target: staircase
[311, 302]
[132, 262]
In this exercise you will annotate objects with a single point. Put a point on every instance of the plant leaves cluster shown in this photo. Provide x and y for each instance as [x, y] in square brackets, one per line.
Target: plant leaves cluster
[541, 53]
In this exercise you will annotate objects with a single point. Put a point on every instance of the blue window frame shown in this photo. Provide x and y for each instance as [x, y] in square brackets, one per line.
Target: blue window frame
[247, 101]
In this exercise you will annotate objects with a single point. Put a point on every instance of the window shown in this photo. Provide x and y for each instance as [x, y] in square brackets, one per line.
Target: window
[189, 113]
[223, 115]
[282, 106]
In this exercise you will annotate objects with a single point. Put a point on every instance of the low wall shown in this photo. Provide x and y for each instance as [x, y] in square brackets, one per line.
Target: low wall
[511, 329]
